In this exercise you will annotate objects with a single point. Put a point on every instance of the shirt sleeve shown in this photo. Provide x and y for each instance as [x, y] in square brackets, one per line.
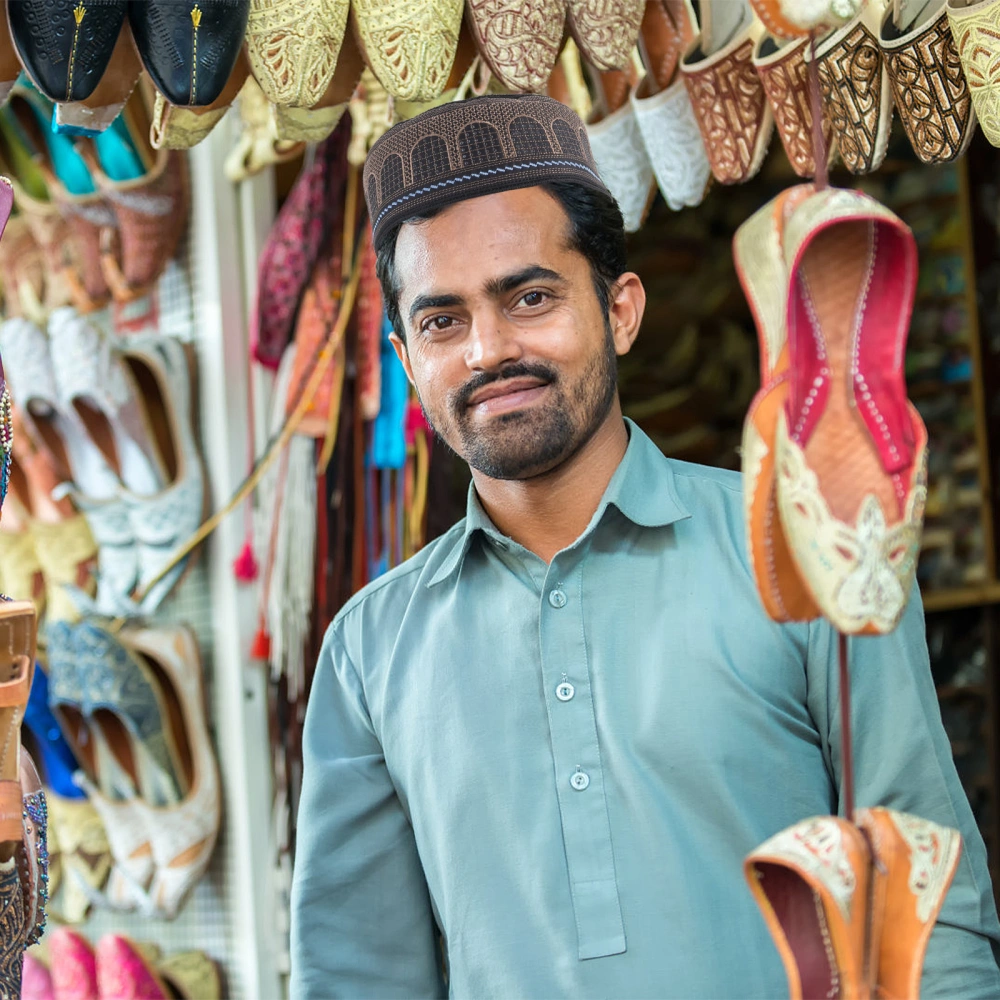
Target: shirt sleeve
[903, 760]
[362, 925]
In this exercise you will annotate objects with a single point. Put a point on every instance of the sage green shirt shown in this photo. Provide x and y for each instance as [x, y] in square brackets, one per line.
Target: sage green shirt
[561, 767]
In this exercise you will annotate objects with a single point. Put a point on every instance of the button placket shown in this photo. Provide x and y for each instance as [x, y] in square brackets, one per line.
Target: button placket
[577, 763]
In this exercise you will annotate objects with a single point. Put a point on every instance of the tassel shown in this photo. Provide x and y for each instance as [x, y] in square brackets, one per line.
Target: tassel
[261, 647]
[245, 566]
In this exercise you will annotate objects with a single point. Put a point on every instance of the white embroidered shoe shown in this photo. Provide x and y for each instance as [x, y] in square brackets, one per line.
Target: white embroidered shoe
[183, 836]
[163, 521]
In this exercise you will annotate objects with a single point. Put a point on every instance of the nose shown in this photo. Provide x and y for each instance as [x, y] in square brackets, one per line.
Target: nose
[493, 342]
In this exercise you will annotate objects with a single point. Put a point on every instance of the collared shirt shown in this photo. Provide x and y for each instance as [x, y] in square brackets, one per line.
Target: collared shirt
[561, 767]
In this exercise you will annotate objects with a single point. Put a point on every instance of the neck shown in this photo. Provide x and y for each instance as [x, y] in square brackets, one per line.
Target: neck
[547, 513]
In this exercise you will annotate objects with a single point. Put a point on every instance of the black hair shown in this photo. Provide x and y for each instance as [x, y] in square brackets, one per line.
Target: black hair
[596, 230]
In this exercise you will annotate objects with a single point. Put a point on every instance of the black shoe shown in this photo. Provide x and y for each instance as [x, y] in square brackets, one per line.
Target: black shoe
[189, 47]
[65, 45]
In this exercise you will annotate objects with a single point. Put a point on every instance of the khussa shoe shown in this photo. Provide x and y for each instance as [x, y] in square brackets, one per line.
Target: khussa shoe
[605, 33]
[410, 45]
[183, 835]
[94, 114]
[316, 123]
[175, 127]
[761, 268]
[189, 47]
[915, 862]
[616, 142]
[293, 48]
[783, 72]
[976, 30]
[520, 42]
[851, 449]
[727, 97]
[812, 883]
[857, 96]
[932, 95]
[66, 45]
[662, 106]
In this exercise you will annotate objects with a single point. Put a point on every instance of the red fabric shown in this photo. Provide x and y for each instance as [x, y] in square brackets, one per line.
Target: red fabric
[294, 244]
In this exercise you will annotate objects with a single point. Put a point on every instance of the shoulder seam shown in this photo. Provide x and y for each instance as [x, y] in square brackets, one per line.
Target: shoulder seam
[707, 479]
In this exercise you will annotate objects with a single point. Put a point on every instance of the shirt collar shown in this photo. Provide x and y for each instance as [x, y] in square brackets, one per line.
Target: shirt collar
[642, 489]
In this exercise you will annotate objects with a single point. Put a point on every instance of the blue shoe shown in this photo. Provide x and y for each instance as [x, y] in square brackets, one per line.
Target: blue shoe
[50, 750]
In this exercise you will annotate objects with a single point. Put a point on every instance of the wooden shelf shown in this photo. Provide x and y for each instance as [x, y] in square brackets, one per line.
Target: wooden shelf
[949, 691]
[962, 597]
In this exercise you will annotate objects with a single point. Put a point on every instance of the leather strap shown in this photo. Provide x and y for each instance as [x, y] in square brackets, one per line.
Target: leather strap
[15, 692]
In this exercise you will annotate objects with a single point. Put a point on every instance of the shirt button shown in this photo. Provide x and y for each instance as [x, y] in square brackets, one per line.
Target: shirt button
[557, 598]
[565, 691]
[580, 780]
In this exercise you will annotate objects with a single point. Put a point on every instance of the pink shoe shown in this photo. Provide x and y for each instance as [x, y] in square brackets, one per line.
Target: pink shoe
[36, 982]
[124, 974]
[74, 967]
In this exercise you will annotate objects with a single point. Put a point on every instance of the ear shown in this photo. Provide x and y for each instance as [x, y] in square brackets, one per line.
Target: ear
[404, 356]
[626, 310]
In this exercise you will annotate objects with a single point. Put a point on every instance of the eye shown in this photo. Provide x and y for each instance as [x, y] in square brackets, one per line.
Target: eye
[533, 299]
[436, 324]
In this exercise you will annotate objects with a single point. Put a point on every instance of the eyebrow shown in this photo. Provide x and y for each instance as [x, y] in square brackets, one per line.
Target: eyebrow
[495, 287]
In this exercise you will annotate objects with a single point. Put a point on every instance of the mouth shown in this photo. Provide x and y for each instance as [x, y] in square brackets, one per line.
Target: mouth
[510, 394]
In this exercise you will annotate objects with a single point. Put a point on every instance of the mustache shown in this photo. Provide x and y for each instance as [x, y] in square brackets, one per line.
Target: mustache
[518, 369]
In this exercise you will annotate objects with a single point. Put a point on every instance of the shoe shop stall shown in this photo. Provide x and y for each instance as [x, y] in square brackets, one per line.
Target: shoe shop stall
[209, 443]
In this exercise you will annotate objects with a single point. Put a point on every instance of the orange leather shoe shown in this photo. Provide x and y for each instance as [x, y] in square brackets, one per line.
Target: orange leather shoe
[760, 265]
[851, 451]
[812, 882]
[915, 864]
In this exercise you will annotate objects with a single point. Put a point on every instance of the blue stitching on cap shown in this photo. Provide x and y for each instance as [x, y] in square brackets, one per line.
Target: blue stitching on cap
[485, 173]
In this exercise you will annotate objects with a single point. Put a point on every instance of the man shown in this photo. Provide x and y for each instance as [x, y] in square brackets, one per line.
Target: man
[548, 740]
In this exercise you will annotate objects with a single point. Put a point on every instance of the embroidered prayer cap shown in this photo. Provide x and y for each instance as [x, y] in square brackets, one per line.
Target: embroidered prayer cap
[465, 149]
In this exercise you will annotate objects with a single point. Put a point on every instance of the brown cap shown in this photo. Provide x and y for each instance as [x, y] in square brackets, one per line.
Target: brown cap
[465, 149]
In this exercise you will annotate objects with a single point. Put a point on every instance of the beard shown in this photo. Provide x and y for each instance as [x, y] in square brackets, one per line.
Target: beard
[533, 441]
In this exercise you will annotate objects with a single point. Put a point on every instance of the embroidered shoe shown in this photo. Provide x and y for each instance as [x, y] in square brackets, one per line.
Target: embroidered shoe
[605, 33]
[410, 46]
[727, 97]
[66, 45]
[189, 47]
[293, 48]
[932, 95]
[857, 95]
[811, 882]
[915, 864]
[520, 42]
[784, 75]
[163, 521]
[760, 266]
[976, 28]
[183, 835]
[662, 106]
[850, 448]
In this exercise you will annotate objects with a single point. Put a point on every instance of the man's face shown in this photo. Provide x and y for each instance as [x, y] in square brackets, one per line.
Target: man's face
[511, 354]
